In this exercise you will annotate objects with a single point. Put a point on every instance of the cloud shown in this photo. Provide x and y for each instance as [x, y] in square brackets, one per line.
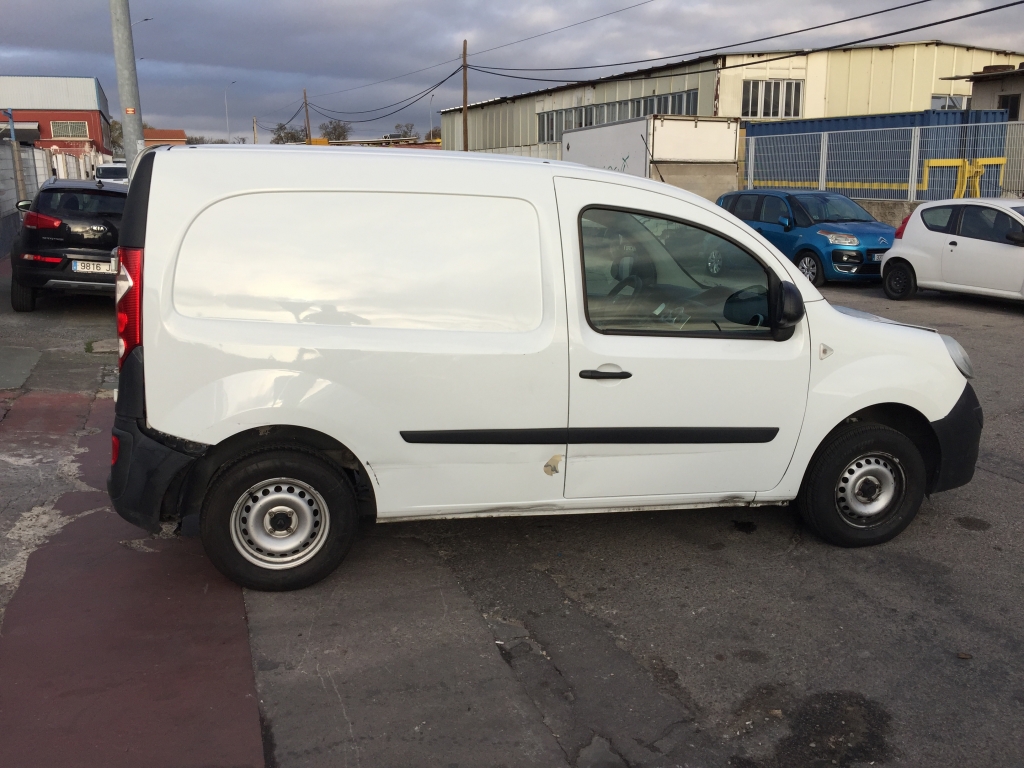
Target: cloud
[192, 49]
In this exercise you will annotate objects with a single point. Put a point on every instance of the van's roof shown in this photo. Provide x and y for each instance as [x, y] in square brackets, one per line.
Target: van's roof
[549, 167]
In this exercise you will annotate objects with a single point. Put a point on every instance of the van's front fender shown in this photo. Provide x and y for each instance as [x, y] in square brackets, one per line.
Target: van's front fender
[858, 363]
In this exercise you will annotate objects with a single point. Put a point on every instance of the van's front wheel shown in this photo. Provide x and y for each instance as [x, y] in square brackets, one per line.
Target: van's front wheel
[279, 519]
[863, 487]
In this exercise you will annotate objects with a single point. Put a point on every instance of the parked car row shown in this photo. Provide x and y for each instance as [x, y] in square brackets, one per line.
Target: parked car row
[967, 246]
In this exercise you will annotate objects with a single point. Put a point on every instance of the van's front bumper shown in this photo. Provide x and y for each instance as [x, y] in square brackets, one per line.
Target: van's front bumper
[146, 465]
[959, 435]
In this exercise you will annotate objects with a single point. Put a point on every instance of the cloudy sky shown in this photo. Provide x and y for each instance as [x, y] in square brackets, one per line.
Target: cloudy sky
[338, 49]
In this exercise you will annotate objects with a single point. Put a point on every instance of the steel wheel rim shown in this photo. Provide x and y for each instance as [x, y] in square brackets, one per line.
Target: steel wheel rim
[897, 281]
[808, 268]
[715, 263]
[279, 523]
[869, 490]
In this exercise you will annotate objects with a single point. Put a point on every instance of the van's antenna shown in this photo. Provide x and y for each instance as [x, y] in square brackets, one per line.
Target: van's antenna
[651, 155]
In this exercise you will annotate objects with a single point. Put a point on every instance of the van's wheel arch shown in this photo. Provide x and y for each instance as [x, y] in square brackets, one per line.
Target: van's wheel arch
[864, 485]
[279, 518]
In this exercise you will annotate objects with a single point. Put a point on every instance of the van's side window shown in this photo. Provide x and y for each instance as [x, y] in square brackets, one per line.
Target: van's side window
[646, 274]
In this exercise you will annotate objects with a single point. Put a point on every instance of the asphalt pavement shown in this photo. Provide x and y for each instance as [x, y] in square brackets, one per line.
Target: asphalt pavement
[686, 638]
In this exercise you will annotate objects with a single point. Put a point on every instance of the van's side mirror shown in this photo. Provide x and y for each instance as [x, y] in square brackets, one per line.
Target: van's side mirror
[1017, 238]
[24, 205]
[786, 307]
[784, 221]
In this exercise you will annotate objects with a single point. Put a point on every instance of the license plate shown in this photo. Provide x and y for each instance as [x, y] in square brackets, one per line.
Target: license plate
[92, 266]
[876, 257]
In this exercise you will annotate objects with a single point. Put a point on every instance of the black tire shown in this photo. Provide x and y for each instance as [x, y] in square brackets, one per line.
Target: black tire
[810, 266]
[293, 479]
[23, 299]
[900, 282]
[868, 455]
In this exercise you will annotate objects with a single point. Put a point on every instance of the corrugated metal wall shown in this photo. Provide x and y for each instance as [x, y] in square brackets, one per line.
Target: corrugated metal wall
[52, 93]
[896, 78]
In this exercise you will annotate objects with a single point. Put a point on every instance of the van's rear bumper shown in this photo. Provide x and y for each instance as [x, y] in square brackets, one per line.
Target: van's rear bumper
[147, 461]
[959, 434]
[142, 474]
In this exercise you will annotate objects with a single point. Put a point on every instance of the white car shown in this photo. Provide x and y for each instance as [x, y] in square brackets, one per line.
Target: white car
[405, 335]
[116, 173]
[971, 246]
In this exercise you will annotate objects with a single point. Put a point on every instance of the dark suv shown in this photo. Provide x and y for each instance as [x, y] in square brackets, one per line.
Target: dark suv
[66, 239]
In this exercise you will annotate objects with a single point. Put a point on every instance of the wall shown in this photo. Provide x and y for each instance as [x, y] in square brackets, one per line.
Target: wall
[899, 78]
[987, 92]
[892, 212]
[35, 170]
[709, 180]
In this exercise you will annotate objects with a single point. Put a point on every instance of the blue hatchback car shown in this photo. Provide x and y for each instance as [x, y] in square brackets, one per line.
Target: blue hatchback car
[827, 235]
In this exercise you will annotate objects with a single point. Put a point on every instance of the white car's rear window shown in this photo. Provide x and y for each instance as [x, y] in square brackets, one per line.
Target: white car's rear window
[389, 260]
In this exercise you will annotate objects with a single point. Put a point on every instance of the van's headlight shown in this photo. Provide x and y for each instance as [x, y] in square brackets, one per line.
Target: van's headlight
[959, 355]
[839, 238]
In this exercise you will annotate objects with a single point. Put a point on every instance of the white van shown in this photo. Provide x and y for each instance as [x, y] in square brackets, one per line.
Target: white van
[310, 336]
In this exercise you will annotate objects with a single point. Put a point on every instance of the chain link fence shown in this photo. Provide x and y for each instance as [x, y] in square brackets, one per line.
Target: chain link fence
[914, 164]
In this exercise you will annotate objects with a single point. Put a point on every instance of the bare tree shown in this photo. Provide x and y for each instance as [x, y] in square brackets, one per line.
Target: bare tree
[285, 135]
[407, 130]
[335, 130]
[434, 133]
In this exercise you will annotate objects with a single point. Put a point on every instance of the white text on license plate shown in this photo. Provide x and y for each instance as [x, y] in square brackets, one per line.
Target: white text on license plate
[92, 266]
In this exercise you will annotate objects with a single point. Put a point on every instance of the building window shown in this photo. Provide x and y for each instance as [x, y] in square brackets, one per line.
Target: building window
[772, 98]
[685, 103]
[648, 106]
[559, 124]
[69, 129]
[663, 106]
[635, 108]
[599, 114]
[588, 116]
[947, 102]
[1011, 103]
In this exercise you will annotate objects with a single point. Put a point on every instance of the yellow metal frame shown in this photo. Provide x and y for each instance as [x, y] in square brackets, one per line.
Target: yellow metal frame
[968, 174]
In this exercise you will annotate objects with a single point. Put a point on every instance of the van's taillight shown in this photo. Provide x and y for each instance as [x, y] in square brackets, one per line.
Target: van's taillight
[35, 220]
[903, 226]
[115, 449]
[129, 301]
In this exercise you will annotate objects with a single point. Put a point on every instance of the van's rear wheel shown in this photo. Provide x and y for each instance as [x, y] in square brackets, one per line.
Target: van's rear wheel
[279, 519]
[863, 487]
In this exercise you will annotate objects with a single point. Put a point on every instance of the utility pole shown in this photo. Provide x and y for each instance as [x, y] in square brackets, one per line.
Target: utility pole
[305, 104]
[227, 125]
[19, 180]
[465, 100]
[255, 140]
[127, 80]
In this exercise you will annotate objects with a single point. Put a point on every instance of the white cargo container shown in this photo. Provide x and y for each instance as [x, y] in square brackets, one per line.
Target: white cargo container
[697, 154]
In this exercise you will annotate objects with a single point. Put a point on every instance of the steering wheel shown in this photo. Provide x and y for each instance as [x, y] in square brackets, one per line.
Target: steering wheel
[615, 293]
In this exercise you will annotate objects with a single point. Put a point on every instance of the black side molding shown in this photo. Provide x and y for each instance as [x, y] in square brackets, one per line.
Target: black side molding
[595, 435]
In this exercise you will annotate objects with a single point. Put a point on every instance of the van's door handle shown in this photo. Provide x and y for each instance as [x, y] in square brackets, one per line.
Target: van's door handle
[952, 242]
[605, 374]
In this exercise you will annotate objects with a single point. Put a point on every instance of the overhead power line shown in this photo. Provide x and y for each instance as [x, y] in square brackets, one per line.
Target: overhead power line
[803, 52]
[459, 58]
[717, 48]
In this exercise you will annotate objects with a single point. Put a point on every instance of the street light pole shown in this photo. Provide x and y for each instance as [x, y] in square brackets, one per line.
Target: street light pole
[127, 80]
[430, 108]
[227, 125]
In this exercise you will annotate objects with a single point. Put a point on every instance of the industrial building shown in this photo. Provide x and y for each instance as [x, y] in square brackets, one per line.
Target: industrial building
[766, 85]
[66, 115]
